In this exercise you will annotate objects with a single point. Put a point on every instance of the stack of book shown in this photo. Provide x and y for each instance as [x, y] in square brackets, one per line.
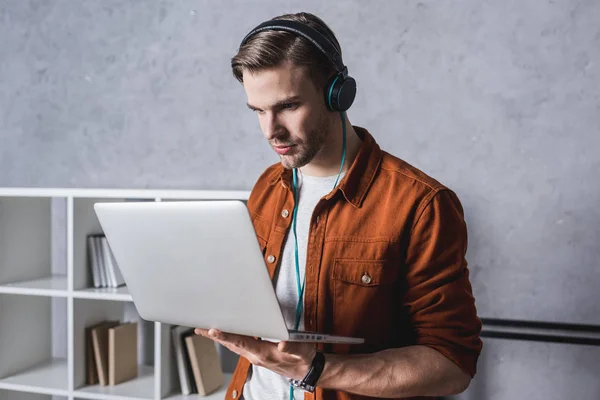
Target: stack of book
[102, 263]
[198, 363]
[111, 352]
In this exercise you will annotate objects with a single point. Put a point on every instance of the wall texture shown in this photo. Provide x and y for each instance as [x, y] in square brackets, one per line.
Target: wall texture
[498, 100]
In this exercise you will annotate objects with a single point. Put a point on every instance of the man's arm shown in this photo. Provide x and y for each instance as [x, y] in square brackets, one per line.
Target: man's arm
[439, 298]
[394, 373]
[442, 313]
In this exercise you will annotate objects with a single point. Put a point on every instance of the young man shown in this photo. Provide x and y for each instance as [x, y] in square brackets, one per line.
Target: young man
[358, 242]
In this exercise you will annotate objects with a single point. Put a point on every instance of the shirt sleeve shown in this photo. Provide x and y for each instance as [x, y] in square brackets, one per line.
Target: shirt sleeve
[439, 296]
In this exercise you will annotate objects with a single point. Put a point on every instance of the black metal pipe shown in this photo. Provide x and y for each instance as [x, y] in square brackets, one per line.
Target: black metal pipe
[538, 331]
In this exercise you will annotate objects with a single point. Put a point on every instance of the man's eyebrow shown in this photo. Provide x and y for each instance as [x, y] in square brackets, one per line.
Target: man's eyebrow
[280, 103]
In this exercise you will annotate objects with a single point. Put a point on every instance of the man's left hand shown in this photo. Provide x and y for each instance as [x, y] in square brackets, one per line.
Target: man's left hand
[288, 359]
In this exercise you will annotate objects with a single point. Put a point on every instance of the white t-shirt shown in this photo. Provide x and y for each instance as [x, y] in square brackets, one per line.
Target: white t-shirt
[263, 384]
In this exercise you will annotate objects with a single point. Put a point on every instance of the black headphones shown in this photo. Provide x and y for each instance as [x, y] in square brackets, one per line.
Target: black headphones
[341, 89]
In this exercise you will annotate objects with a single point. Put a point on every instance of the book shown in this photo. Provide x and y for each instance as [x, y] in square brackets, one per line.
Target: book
[176, 337]
[122, 352]
[90, 360]
[119, 280]
[102, 263]
[108, 271]
[114, 276]
[205, 362]
[186, 360]
[93, 260]
[100, 347]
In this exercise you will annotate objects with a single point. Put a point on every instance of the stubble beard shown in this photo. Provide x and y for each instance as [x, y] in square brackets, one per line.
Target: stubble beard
[309, 149]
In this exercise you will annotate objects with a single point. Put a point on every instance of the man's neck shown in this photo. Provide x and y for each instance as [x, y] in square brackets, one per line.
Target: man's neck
[328, 164]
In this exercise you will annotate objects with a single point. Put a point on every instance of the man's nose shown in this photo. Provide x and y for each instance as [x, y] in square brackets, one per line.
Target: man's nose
[272, 127]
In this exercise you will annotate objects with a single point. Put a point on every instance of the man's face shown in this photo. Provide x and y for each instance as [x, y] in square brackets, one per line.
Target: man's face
[291, 112]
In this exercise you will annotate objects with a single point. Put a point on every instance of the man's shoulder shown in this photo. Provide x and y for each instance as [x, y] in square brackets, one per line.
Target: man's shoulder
[412, 188]
[403, 173]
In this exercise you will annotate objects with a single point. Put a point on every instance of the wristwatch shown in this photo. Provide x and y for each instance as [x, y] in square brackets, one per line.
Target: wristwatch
[309, 382]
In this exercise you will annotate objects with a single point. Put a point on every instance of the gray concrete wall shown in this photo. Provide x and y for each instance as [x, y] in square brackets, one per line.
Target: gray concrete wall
[498, 100]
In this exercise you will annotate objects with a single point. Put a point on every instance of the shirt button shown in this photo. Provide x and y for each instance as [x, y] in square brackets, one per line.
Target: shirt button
[366, 279]
[234, 394]
[271, 259]
[285, 213]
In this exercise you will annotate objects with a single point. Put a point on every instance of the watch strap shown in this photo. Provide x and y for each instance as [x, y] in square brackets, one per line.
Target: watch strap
[309, 382]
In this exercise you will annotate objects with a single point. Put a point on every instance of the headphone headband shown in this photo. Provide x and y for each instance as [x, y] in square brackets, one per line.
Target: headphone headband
[341, 89]
[314, 36]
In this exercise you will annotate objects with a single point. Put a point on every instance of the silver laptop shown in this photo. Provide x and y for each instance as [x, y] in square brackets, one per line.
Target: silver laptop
[198, 264]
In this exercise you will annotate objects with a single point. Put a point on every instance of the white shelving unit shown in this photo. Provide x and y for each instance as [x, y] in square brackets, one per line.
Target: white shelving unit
[32, 293]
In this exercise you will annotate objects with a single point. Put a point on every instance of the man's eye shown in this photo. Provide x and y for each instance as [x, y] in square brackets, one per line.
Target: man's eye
[289, 105]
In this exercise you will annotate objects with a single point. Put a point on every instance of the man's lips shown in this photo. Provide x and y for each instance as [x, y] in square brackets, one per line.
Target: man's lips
[282, 150]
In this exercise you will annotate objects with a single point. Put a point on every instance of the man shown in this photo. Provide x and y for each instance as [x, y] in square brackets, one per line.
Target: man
[358, 242]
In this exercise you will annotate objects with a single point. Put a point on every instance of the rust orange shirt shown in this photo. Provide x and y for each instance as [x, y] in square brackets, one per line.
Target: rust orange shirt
[385, 260]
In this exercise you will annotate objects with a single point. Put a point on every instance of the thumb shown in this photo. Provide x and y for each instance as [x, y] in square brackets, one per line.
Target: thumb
[285, 347]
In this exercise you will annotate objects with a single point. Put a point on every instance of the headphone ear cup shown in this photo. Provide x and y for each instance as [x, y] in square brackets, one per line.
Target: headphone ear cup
[340, 93]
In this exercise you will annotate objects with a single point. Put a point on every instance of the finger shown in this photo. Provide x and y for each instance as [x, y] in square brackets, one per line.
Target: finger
[296, 348]
[241, 341]
[253, 350]
[237, 350]
[215, 334]
[235, 343]
[285, 347]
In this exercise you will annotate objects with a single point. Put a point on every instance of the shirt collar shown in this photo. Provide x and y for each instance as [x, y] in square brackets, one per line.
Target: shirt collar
[358, 179]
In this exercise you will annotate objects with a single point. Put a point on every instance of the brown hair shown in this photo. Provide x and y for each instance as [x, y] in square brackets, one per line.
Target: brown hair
[268, 49]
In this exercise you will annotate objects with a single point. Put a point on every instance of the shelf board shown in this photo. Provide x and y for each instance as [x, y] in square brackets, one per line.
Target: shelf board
[119, 294]
[140, 388]
[218, 395]
[46, 378]
[125, 193]
[54, 285]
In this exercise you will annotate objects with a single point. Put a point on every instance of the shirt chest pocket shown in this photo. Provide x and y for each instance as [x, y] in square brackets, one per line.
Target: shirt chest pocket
[367, 273]
[362, 296]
